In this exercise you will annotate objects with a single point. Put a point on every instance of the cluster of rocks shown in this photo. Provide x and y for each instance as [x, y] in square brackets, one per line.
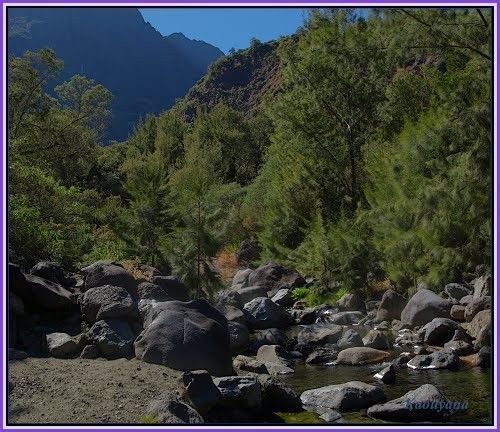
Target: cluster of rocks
[235, 349]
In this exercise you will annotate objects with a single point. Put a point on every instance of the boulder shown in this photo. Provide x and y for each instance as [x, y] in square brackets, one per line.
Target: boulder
[353, 395]
[426, 403]
[439, 331]
[456, 291]
[277, 396]
[445, 359]
[482, 286]
[90, 352]
[168, 408]
[350, 339]
[42, 293]
[304, 316]
[283, 298]
[173, 287]
[372, 305]
[319, 334]
[201, 391]
[243, 364]
[91, 267]
[151, 291]
[61, 345]
[322, 356]
[466, 300]
[345, 318]
[361, 356]
[107, 302]
[377, 339]
[110, 274]
[187, 336]
[263, 313]
[249, 293]
[238, 337]
[228, 298]
[424, 306]
[272, 276]
[351, 302]
[113, 338]
[391, 306]
[477, 304]
[272, 336]
[49, 270]
[387, 375]
[457, 312]
[233, 314]
[240, 391]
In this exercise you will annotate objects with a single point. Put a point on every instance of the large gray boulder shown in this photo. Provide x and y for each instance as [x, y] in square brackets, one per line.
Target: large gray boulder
[283, 298]
[187, 336]
[228, 298]
[456, 291]
[439, 331]
[377, 339]
[263, 313]
[480, 321]
[240, 391]
[274, 354]
[319, 334]
[168, 408]
[273, 277]
[272, 336]
[61, 345]
[107, 302]
[151, 291]
[232, 314]
[351, 302]
[361, 355]
[110, 274]
[113, 338]
[391, 306]
[352, 395]
[240, 279]
[173, 287]
[424, 306]
[426, 403]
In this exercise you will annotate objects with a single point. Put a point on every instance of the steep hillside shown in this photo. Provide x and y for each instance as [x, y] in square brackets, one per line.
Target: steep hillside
[242, 80]
[115, 46]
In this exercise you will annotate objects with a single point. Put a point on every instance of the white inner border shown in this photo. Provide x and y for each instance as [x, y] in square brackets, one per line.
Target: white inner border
[263, 5]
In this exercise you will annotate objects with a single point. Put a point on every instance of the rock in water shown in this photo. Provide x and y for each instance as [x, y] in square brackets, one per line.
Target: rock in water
[426, 403]
[107, 302]
[445, 359]
[387, 375]
[113, 338]
[263, 313]
[350, 339]
[391, 306]
[187, 336]
[276, 396]
[168, 408]
[361, 356]
[423, 307]
[439, 331]
[343, 397]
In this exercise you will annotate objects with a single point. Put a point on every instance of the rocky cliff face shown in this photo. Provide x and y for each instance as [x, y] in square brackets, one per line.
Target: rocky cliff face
[145, 71]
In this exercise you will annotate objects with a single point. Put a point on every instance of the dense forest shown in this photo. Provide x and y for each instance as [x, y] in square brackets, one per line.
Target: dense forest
[366, 163]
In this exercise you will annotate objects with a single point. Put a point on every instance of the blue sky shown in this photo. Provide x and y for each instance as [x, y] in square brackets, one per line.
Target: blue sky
[226, 28]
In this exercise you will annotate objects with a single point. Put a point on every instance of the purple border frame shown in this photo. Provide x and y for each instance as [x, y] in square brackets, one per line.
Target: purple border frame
[297, 3]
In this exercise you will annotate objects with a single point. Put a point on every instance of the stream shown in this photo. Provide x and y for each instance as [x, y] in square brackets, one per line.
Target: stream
[473, 385]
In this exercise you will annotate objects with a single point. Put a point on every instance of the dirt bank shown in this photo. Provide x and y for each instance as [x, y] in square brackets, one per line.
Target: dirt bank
[85, 391]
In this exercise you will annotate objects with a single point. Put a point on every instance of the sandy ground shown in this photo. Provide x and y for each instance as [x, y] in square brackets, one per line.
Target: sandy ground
[51, 390]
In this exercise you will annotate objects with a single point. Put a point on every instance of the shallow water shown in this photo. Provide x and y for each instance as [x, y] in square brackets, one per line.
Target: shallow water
[470, 385]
